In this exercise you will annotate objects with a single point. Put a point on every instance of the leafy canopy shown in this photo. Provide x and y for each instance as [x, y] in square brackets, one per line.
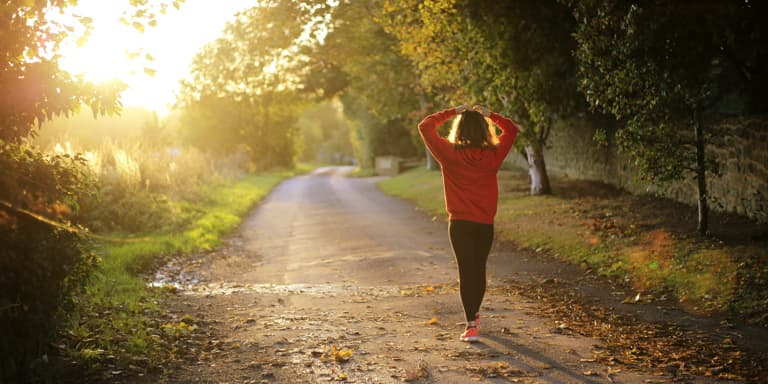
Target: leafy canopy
[246, 87]
[513, 56]
[653, 64]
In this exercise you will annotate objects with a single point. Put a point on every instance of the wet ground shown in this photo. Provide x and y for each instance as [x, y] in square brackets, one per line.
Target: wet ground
[331, 280]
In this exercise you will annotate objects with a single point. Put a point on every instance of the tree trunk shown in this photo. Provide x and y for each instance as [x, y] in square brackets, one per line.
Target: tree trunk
[701, 175]
[432, 164]
[537, 169]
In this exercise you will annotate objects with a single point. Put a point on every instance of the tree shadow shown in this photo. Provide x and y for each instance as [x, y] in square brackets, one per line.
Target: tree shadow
[503, 347]
[598, 200]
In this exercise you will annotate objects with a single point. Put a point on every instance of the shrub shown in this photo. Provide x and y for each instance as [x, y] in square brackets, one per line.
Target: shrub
[139, 185]
[43, 266]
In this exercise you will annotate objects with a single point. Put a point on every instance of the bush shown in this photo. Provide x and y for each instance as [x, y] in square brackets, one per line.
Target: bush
[139, 185]
[42, 270]
[139, 212]
[43, 266]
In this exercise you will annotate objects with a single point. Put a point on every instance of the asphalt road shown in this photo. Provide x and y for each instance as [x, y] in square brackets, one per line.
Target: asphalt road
[326, 228]
[328, 279]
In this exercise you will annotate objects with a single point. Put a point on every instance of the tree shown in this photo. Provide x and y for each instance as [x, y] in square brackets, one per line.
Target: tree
[325, 134]
[513, 56]
[245, 87]
[378, 87]
[660, 67]
[43, 265]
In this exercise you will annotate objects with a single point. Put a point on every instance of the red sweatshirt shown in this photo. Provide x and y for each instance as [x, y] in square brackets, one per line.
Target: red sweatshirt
[469, 175]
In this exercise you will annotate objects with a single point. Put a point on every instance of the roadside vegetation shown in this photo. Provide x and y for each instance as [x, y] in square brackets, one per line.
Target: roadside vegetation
[644, 242]
[151, 199]
[120, 323]
[87, 208]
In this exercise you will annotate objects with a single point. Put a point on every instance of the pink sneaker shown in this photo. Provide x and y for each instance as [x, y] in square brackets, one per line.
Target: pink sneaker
[470, 335]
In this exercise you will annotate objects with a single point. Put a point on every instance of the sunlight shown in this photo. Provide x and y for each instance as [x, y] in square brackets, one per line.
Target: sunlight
[172, 44]
[98, 61]
[103, 57]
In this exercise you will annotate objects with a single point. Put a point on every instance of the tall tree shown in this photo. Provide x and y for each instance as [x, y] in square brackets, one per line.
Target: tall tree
[514, 56]
[245, 86]
[661, 66]
[378, 87]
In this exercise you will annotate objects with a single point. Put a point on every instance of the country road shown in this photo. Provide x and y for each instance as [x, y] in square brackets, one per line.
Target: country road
[331, 280]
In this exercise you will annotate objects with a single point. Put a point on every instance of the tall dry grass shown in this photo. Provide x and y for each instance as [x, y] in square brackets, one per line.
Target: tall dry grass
[141, 187]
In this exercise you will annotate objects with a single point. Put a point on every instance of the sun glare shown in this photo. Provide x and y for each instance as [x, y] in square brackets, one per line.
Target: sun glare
[172, 44]
[103, 57]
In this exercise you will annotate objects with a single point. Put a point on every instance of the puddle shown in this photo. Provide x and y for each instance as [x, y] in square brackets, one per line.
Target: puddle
[187, 278]
[175, 274]
[178, 275]
[321, 290]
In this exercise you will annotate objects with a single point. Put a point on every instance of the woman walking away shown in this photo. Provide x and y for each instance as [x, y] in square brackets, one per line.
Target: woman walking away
[470, 159]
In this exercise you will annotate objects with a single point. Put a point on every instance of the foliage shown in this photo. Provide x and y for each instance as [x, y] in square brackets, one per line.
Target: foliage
[325, 135]
[245, 86]
[371, 137]
[43, 262]
[42, 184]
[651, 60]
[356, 54]
[118, 316]
[224, 125]
[660, 66]
[43, 272]
[513, 56]
[34, 89]
[42, 267]
[648, 66]
[85, 133]
[137, 178]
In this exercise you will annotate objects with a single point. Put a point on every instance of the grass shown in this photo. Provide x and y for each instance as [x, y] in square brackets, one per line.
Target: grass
[118, 323]
[363, 172]
[647, 243]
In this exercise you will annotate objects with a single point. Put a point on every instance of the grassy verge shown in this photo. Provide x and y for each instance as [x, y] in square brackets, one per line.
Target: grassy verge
[119, 322]
[363, 172]
[648, 243]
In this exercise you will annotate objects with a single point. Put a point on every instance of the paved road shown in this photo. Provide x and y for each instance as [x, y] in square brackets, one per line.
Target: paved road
[331, 280]
[327, 228]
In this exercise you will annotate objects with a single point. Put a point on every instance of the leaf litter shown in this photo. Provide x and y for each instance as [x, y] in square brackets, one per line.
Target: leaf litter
[630, 342]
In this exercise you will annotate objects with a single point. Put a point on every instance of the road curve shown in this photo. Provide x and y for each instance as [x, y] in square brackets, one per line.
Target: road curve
[325, 227]
[328, 279]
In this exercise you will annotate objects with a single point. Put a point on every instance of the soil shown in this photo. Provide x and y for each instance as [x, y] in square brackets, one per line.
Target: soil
[331, 280]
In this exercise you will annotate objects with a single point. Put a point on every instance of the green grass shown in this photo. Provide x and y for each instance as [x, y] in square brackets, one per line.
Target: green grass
[363, 172]
[618, 236]
[118, 319]
[424, 188]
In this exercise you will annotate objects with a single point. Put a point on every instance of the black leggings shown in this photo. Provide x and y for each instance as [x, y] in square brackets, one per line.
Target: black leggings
[471, 243]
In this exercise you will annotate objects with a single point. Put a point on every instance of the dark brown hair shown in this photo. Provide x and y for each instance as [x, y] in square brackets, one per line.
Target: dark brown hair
[471, 129]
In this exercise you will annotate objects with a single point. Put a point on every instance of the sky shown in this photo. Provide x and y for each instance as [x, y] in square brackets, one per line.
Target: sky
[173, 43]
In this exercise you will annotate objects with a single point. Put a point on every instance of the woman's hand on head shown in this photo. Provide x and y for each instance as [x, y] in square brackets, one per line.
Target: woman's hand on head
[462, 108]
[482, 109]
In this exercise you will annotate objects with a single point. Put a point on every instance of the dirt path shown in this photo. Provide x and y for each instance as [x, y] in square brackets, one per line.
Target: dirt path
[330, 280]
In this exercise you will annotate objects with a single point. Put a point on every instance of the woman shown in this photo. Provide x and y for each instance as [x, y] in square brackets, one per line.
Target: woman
[470, 159]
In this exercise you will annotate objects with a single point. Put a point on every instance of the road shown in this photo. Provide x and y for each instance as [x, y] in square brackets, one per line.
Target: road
[331, 280]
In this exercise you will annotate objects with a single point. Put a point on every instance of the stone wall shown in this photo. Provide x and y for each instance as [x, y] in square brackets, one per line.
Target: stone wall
[742, 152]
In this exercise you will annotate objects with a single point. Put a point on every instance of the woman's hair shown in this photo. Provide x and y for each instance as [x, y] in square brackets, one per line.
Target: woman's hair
[470, 129]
